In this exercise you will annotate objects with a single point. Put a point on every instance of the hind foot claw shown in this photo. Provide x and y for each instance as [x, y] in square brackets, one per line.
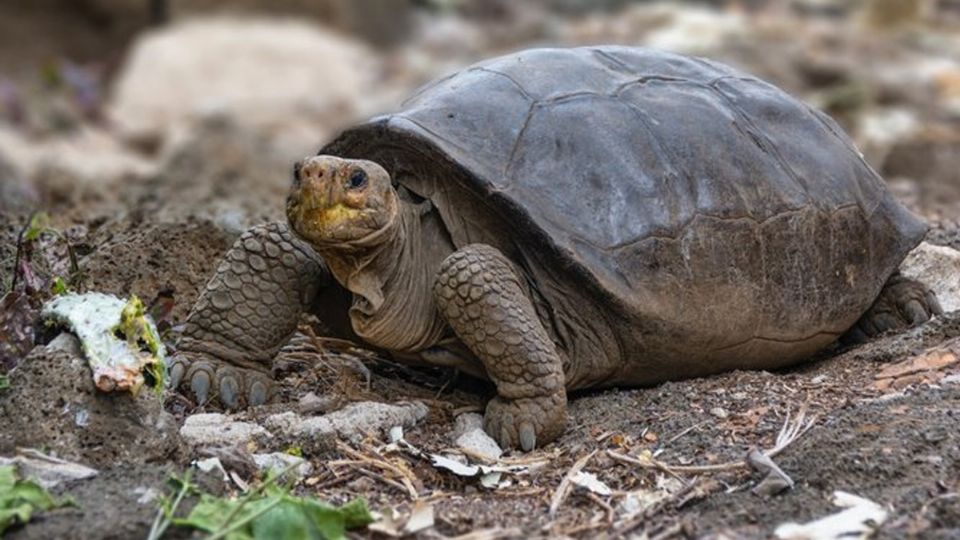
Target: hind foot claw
[216, 381]
[903, 303]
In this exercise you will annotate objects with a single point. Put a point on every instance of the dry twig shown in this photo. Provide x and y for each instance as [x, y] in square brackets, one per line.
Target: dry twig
[791, 431]
[406, 480]
[564, 488]
[608, 510]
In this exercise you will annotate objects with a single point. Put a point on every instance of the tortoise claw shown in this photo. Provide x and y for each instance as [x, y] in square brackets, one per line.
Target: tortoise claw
[177, 369]
[217, 381]
[885, 322]
[200, 386]
[528, 437]
[914, 313]
[259, 391]
[229, 391]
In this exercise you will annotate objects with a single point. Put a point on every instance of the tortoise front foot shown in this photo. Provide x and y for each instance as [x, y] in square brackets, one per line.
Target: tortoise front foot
[211, 380]
[903, 303]
[480, 295]
[524, 422]
[247, 311]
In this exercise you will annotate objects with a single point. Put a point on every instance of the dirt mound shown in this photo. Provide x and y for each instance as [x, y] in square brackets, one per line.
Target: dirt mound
[52, 404]
[146, 259]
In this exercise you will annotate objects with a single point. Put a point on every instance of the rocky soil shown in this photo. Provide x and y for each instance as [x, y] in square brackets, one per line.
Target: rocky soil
[150, 182]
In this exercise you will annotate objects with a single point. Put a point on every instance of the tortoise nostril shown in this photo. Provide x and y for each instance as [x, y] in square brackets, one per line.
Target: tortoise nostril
[307, 170]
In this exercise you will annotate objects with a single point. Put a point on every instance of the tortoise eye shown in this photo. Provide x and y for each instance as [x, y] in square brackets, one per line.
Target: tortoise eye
[358, 179]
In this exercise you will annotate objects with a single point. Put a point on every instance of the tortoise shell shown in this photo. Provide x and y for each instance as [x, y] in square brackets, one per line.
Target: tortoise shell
[706, 206]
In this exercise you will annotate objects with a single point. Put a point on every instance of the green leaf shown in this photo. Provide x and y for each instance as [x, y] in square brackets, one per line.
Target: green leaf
[19, 499]
[58, 286]
[286, 520]
[208, 514]
[356, 514]
[8, 477]
[271, 512]
[4, 382]
[30, 493]
[17, 514]
[39, 223]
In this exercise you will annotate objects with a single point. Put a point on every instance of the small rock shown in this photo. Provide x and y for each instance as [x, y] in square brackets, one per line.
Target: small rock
[358, 419]
[311, 403]
[937, 267]
[469, 436]
[212, 465]
[285, 421]
[695, 30]
[719, 412]
[466, 422]
[214, 429]
[148, 495]
[279, 462]
[880, 129]
[350, 423]
[47, 471]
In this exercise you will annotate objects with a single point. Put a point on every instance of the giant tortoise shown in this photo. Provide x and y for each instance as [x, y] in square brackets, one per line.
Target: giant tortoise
[558, 219]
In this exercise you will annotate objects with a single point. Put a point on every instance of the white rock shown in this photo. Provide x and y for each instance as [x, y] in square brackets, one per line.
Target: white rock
[351, 423]
[285, 421]
[214, 429]
[279, 462]
[212, 464]
[590, 482]
[279, 75]
[48, 471]
[92, 156]
[719, 412]
[468, 435]
[466, 422]
[695, 29]
[358, 419]
[879, 129]
[938, 267]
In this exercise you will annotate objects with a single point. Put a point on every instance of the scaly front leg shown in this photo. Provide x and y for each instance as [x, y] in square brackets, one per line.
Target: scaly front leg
[248, 310]
[479, 294]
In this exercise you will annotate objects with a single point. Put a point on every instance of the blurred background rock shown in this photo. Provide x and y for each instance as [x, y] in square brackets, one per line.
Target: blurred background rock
[119, 111]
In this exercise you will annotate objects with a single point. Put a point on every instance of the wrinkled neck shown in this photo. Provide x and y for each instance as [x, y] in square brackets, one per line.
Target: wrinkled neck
[365, 265]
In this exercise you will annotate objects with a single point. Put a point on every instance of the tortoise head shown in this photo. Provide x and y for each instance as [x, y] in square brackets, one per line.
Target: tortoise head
[339, 201]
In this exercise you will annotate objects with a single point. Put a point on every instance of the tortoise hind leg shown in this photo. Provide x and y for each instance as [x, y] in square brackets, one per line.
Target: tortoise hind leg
[479, 294]
[903, 303]
[247, 311]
